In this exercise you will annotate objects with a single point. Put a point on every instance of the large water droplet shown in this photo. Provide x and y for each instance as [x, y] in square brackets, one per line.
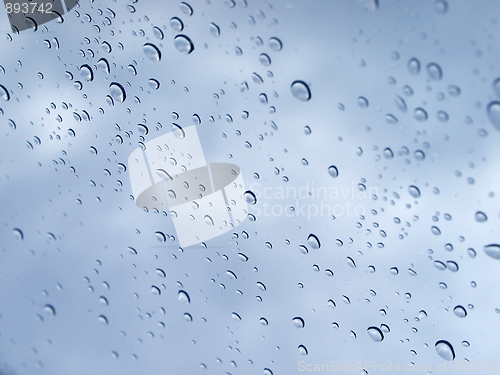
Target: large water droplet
[86, 73]
[420, 114]
[493, 110]
[480, 217]
[302, 350]
[250, 197]
[333, 171]
[183, 44]
[18, 233]
[445, 350]
[117, 92]
[103, 65]
[4, 93]
[298, 322]
[275, 44]
[208, 220]
[214, 29]
[176, 24]
[414, 191]
[264, 59]
[301, 91]
[414, 66]
[434, 71]
[313, 241]
[186, 9]
[492, 250]
[460, 311]
[183, 297]
[152, 52]
[375, 334]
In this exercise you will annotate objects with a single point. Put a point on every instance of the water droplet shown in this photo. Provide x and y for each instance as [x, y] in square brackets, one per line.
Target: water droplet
[435, 230]
[18, 233]
[301, 91]
[375, 334]
[155, 290]
[186, 9]
[420, 114]
[460, 311]
[152, 52]
[480, 217]
[439, 265]
[264, 59]
[117, 92]
[250, 197]
[183, 297]
[263, 321]
[49, 310]
[208, 220]
[176, 24]
[298, 322]
[414, 66]
[183, 44]
[414, 191]
[452, 266]
[103, 320]
[302, 350]
[400, 103]
[103, 65]
[441, 6]
[492, 250]
[236, 316]
[333, 171]
[178, 131]
[394, 270]
[313, 241]
[445, 350]
[363, 102]
[275, 44]
[493, 110]
[160, 272]
[4, 93]
[86, 73]
[434, 71]
[214, 29]
[164, 175]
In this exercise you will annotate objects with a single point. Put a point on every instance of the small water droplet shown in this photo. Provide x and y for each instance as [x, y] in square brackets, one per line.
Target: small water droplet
[302, 350]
